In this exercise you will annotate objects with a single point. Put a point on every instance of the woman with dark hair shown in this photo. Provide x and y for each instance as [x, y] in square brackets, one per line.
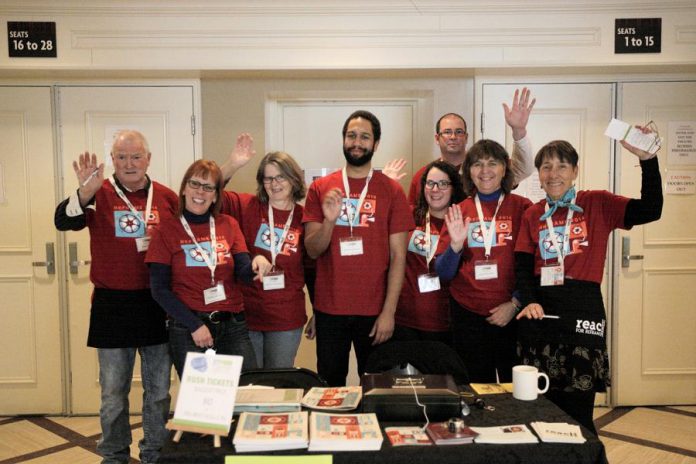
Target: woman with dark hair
[478, 262]
[195, 261]
[562, 326]
[275, 305]
[422, 312]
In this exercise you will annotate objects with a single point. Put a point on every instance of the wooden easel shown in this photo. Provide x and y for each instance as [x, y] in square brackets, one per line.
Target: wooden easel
[180, 429]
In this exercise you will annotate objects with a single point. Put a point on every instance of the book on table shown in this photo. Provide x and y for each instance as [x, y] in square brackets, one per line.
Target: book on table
[344, 432]
[333, 398]
[440, 433]
[491, 388]
[270, 432]
[407, 435]
[505, 434]
[268, 400]
[558, 432]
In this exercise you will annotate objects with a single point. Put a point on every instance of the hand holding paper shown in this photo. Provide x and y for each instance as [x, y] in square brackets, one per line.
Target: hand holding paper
[640, 141]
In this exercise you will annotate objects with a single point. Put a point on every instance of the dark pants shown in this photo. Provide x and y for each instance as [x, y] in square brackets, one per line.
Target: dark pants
[577, 404]
[483, 347]
[334, 337]
[409, 334]
[229, 337]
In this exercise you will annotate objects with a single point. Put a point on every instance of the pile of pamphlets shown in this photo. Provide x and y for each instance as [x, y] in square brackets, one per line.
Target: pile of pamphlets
[344, 432]
[266, 399]
[558, 432]
[333, 399]
[271, 432]
[407, 435]
[505, 434]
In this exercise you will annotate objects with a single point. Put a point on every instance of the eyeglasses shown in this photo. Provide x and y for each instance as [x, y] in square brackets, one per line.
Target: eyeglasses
[194, 184]
[453, 133]
[279, 179]
[441, 184]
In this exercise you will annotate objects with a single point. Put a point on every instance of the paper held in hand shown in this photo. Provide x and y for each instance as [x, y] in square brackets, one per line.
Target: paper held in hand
[620, 130]
[207, 393]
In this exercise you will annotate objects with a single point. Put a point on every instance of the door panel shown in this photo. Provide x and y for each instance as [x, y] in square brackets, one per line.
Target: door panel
[656, 346]
[30, 370]
[89, 116]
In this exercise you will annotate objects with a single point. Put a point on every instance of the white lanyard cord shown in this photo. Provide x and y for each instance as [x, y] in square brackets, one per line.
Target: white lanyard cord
[487, 232]
[124, 198]
[363, 194]
[271, 226]
[210, 262]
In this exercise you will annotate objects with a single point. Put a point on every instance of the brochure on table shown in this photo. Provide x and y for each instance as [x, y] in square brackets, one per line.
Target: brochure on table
[207, 393]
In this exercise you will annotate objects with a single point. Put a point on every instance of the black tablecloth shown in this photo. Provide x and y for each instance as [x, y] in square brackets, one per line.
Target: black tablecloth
[193, 448]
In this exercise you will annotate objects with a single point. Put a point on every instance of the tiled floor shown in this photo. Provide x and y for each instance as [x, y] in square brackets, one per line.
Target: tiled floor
[644, 435]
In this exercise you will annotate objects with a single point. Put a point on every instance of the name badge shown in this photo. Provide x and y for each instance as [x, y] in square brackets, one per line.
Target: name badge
[486, 270]
[351, 246]
[142, 243]
[214, 294]
[274, 280]
[551, 275]
[428, 283]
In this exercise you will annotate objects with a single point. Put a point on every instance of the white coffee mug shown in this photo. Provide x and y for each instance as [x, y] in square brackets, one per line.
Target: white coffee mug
[525, 382]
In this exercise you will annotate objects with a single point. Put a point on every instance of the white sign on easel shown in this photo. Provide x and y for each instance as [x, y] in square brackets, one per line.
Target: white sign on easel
[207, 393]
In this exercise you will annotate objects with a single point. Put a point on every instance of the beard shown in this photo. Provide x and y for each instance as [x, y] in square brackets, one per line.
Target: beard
[358, 160]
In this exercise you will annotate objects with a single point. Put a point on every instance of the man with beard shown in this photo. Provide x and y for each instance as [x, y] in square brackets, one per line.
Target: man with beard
[451, 136]
[356, 225]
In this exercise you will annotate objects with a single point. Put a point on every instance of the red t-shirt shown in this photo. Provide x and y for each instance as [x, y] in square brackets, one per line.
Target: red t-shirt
[356, 285]
[589, 233]
[116, 262]
[172, 246]
[481, 296]
[271, 310]
[423, 311]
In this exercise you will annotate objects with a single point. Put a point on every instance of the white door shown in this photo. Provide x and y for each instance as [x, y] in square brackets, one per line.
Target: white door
[88, 117]
[656, 341]
[30, 368]
[578, 113]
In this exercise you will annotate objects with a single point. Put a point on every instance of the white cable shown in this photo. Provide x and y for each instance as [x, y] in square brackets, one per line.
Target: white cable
[425, 412]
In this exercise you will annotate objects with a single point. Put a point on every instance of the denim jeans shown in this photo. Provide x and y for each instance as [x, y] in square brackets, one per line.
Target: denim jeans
[115, 375]
[275, 348]
[229, 337]
[334, 337]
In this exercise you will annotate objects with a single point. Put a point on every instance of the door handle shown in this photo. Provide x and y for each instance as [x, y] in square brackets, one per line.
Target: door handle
[626, 255]
[50, 263]
[72, 258]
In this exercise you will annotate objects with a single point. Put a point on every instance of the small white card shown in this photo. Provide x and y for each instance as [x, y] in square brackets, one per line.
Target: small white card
[551, 275]
[351, 246]
[274, 280]
[214, 294]
[428, 283]
[486, 270]
[142, 243]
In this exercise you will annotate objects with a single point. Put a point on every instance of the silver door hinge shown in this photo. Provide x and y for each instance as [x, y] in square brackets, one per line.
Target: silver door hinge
[193, 124]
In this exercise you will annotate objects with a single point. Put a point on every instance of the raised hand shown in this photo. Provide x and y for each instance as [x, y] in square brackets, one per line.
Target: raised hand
[331, 204]
[641, 154]
[517, 116]
[393, 169]
[243, 150]
[90, 176]
[456, 227]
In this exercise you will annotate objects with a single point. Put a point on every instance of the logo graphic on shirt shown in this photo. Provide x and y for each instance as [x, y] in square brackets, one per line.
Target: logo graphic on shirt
[416, 243]
[574, 244]
[363, 217]
[194, 257]
[263, 239]
[503, 232]
[129, 225]
[590, 327]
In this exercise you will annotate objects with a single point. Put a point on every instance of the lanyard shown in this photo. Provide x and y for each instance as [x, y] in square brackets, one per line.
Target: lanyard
[566, 231]
[204, 254]
[276, 249]
[136, 213]
[487, 232]
[351, 213]
[429, 252]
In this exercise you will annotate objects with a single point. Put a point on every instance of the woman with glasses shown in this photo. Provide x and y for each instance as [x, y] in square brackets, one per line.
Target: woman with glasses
[196, 260]
[478, 262]
[562, 326]
[422, 310]
[275, 305]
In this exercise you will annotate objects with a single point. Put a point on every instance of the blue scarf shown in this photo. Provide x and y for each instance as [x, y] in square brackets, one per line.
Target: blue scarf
[565, 202]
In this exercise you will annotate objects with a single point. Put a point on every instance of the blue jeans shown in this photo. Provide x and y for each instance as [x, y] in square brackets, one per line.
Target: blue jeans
[229, 337]
[275, 348]
[334, 337]
[115, 374]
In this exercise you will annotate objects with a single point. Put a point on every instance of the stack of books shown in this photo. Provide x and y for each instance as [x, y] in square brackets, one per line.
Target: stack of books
[505, 434]
[407, 435]
[271, 432]
[268, 400]
[441, 435]
[558, 432]
[333, 399]
[344, 432]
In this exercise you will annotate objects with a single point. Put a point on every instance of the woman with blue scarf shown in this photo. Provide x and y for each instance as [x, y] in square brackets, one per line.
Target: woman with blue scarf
[562, 326]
